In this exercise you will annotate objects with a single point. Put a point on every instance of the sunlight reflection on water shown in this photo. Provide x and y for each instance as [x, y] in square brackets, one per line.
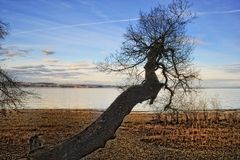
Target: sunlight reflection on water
[101, 98]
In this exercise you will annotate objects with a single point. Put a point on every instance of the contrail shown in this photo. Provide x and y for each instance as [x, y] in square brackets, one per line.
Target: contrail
[116, 21]
[219, 12]
[77, 25]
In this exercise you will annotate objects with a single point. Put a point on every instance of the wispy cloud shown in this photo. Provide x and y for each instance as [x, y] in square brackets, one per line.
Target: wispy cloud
[48, 51]
[75, 25]
[220, 75]
[13, 51]
[54, 69]
[51, 61]
[39, 72]
[82, 65]
[115, 21]
[62, 72]
[3, 59]
[92, 7]
[30, 67]
[233, 68]
[219, 12]
[228, 68]
[221, 82]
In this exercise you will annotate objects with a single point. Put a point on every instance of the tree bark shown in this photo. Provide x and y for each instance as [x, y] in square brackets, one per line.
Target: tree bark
[99, 132]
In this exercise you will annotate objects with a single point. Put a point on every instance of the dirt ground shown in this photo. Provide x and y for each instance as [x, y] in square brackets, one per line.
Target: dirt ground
[137, 138]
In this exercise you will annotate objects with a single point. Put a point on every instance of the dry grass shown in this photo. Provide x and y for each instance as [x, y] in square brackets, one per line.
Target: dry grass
[137, 138]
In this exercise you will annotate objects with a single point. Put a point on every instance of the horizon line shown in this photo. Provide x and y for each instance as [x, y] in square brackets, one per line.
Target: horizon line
[196, 87]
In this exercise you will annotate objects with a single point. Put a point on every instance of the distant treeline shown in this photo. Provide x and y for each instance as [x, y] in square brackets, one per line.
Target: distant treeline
[46, 84]
[56, 85]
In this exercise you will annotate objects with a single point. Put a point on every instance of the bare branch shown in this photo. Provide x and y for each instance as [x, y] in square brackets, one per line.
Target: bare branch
[156, 44]
[11, 94]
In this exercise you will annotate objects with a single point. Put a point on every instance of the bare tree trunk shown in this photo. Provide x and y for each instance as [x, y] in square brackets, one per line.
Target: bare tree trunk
[99, 132]
[103, 129]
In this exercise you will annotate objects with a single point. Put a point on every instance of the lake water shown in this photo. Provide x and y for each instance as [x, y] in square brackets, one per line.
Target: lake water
[101, 98]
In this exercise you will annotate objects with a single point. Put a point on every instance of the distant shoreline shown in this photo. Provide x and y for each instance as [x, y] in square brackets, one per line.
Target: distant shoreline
[56, 85]
[102, 110]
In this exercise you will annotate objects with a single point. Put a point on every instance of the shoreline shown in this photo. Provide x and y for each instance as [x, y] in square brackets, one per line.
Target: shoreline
[102, 110]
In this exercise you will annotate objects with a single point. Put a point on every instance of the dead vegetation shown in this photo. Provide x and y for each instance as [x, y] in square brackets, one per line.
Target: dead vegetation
[217, 133]
[140, 136]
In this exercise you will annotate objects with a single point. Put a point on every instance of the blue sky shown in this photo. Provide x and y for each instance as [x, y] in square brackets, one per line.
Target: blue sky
[60, 40]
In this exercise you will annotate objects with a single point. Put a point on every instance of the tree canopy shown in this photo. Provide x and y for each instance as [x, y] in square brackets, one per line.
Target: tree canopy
[161, 32]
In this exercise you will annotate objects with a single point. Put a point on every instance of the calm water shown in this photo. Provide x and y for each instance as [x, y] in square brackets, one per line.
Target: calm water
[101, 98]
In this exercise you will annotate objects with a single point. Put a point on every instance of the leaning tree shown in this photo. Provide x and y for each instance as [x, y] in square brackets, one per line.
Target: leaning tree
[11, 93]
[156, 48]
